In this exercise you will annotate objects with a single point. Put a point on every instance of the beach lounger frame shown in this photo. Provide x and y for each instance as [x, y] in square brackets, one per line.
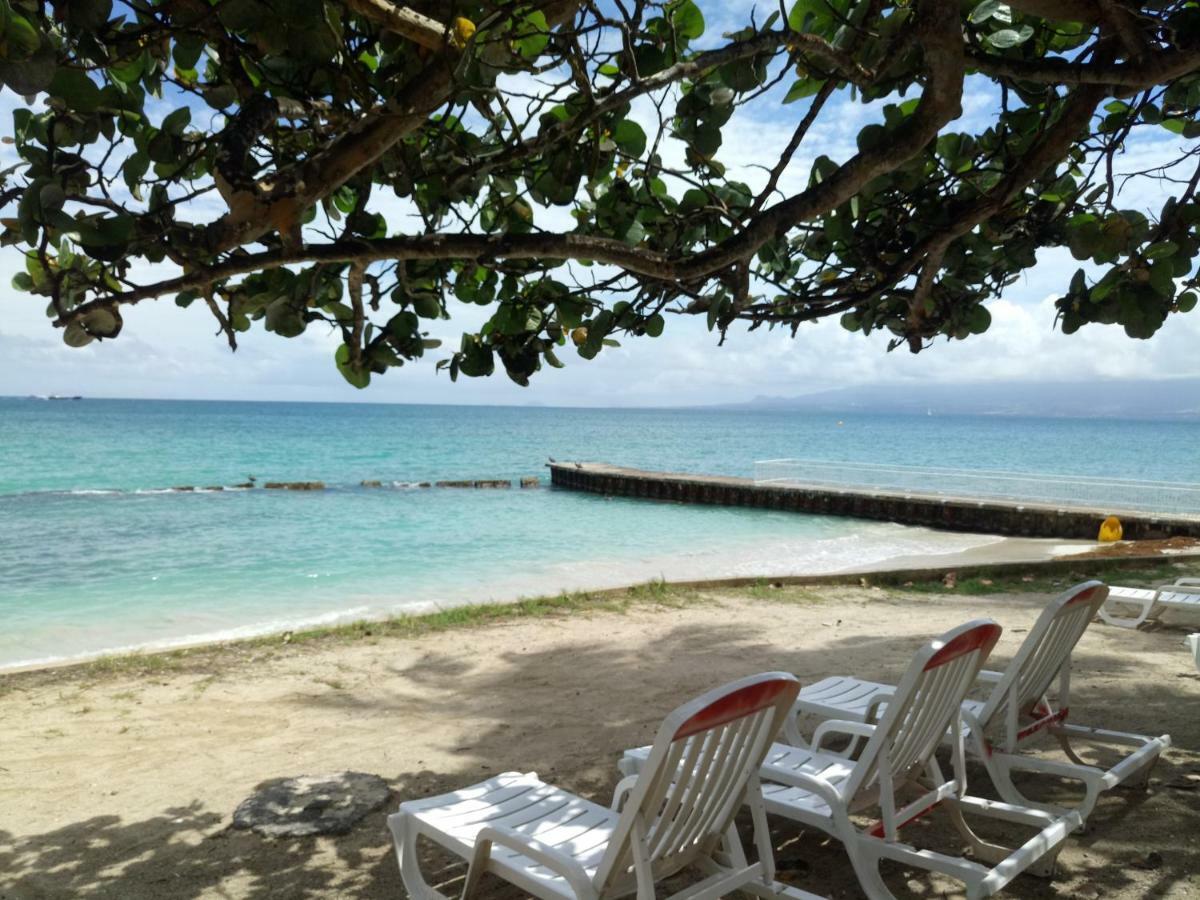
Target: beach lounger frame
[824, 789]
[1017, 710]
[702, 768]
[1181, 595]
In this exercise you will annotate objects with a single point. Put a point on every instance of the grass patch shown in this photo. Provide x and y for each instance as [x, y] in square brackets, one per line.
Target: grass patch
[777, 592]
[1042, 582]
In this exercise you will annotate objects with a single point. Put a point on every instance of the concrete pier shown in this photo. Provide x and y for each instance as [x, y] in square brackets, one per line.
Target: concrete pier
[931, 510]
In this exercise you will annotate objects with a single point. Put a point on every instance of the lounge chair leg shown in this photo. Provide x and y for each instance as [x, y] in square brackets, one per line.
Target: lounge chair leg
[410, 867]
[1124, 621]
[1065, 743]
[995, 854]
[1002, 779]
[866, 867]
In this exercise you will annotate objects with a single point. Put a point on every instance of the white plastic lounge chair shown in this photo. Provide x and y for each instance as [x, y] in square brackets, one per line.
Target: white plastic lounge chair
[1017, 709]
[822, 789]
[702, 767]
[1193, 642]
[1183, 595]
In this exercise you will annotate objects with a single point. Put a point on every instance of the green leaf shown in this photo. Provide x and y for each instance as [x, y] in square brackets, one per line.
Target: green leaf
[1160, 250]
[984, 11]
[187, 51]
[688, 20]
[1010, 37]
[177, 120]
[32, 75]
[979, 320]
[358, 377]
[805, 87]
[74, 335]
[22, 38]
[52, 197]
[532, 35]
[629, 136]
[78, 91]
[427, 306]
[284, 319]
[654, 325]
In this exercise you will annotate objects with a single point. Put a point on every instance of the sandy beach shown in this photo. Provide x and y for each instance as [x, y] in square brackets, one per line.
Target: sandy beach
[121, 781]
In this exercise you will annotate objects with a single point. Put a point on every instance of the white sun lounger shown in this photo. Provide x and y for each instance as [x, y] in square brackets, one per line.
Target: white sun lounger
[1183, 596]
[1193, 642]
[1017, 709]
[702, 768]
[822, 789]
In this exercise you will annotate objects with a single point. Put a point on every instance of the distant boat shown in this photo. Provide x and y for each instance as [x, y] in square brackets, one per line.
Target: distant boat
[63, 397]
[929, 412]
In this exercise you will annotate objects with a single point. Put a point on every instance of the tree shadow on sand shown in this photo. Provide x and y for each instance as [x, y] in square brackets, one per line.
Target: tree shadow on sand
[598, 697]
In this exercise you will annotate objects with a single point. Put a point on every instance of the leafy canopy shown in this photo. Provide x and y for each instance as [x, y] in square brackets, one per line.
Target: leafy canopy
[371, 165]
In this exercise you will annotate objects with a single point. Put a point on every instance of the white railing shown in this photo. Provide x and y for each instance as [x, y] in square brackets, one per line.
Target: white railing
[1077, 491]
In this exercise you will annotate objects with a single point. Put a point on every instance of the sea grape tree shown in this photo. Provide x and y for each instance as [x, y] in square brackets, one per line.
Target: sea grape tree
[373, 165]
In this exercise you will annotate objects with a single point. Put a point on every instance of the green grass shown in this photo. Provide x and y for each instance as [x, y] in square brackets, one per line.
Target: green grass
[1042, 582]
[775, 591]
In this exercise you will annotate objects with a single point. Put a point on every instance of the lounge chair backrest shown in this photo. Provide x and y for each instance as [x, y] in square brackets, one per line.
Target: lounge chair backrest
[925, 704]
[1045, 651]
[695, 778]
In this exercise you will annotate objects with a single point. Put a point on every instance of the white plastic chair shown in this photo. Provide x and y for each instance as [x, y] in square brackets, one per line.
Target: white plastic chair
[702, 767]
[1149, 603]
[823, 789]
[1193, 642]
[1017, 709]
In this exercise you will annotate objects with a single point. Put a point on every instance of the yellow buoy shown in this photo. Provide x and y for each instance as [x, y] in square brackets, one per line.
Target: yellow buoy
[1110, 530]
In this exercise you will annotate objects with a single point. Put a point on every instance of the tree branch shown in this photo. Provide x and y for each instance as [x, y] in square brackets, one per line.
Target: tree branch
[291, 193]
[939, 33]
[1160, 68]
[419, 29]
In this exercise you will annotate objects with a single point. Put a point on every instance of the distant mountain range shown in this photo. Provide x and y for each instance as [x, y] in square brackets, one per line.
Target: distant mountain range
[1162, 399]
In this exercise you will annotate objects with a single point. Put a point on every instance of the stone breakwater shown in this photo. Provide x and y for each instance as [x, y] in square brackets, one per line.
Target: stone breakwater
[530, 481]
[928, 510]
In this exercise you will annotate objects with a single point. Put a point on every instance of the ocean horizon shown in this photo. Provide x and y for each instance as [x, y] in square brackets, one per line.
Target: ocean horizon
[99, 553]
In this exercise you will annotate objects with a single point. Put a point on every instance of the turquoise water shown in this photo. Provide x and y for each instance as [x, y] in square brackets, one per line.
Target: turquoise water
[96, 554]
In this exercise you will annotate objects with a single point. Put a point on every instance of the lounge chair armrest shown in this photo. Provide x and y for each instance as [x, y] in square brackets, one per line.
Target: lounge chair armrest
[841, 726]
[1187, 582]
[989, 676]
[621, 793]
[812, 783]
[552, 859]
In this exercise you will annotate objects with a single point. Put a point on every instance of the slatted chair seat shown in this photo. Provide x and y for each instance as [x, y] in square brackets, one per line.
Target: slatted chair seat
[575, 827]
[824, 789]
[1017, 709]
[677, 814]
[1149, 603]
[844, 697]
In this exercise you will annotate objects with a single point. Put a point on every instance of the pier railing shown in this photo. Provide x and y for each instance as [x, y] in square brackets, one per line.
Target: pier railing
[1067, 491]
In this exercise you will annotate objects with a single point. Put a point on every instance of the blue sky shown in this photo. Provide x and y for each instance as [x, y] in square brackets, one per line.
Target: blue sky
[168, 352]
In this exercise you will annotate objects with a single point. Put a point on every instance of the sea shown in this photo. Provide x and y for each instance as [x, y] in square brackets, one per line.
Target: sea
[100, 553]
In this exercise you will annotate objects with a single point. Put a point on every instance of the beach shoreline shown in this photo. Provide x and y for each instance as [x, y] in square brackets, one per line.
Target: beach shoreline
[592, 577]
[998, 557]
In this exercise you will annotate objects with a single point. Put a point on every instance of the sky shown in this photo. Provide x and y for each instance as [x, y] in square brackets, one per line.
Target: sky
[167, 352]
